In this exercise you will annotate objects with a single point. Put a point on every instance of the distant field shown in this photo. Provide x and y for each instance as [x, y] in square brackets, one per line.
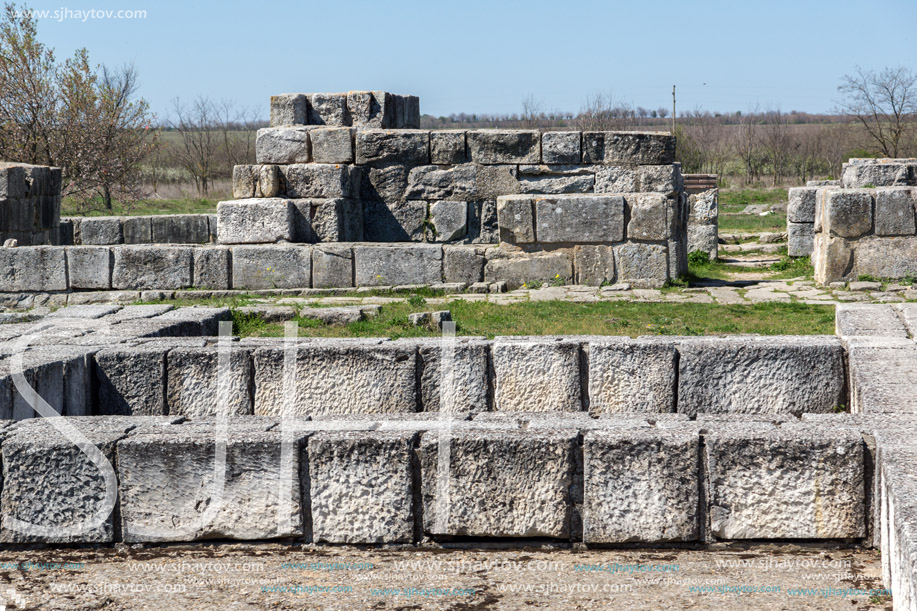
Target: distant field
[150, 207]
[733, 201]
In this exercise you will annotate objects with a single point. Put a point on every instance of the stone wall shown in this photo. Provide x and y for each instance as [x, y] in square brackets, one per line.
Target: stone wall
[29, 204]
[703, 222]
[158, 229]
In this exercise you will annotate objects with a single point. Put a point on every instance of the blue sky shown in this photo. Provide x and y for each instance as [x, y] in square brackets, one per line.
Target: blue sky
[486, 56]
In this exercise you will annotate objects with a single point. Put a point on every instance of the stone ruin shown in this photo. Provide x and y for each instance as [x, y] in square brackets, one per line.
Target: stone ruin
[29, 204]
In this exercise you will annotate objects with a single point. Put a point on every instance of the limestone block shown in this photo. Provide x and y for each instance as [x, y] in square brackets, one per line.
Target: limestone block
[561, 147]
[628, 375]
[211, 268]
[649, 217]
[329, 109]
[89, 267]
[482, 225]
[832, 258]
[616, 179]
[332, 266]
[385, 183]
[395, 265]
[361, 487]
[641, 485]
[255, 181]
[180, 229]
[407, 114]
[571, 219]
[449, 221]
[490, 146]
[660, 178]
[518, 269]
[169, 484]
[327, 220]
[356, 377]
[874, 173]
[151, 267]
[288, 109]
[872, 320]
[703, 207]
[372, 109]
[848, 213]
[638, 148]
[332, 144]
[137, 230]
[131, 381]
[556, 179]
[463, 264]
[317, 180]
[761, 375]
[283, 145]
[197, 387]
[386, 146]
[883, 257]
[516, 219]
[500, 484]
[33, 268]
[801, 206]
[895, 211]
[463, 386]
[271, 267]
[447, 147]
[395, 222]
[593, 265]
[199, 320]
[800, 239]
[536, 375]
[705, 239]
[100, 230]
[792, 482]
[642, 265]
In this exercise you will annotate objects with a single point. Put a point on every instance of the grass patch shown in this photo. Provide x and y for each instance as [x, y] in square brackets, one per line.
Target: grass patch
[148, 207]
[735, 200]
[751, 223]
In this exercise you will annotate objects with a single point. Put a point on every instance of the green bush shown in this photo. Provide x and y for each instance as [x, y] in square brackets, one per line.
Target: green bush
[698, 258]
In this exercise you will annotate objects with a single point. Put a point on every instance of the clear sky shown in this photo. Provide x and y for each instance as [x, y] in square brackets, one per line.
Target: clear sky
[487, 55]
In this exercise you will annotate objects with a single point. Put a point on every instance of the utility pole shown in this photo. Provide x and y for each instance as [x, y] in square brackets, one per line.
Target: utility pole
[673, 110]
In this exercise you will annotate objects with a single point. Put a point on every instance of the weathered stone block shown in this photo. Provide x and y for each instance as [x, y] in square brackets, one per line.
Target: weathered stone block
[616, 179]
[338, 220]
[180, 229]
[329, 109]
[848, 213]
[447, 147]
[516, 219]
[801, 206]
[131, 380]
[454, 375]
[530, 473]
[100, 230]
[332, 266]
[561, 147]
[169, 484]
[394, 265]
[332, 145]
[761, 375]
[642, 265]
[463, 264]
[556, 179]
[362, 487]
[199, 386]
[283, 145]
[271, 267]
[593, 265]
[402, 146]
[407, 115]
[519, 269]
[316, 180]
[859, 173]
[356, 377]
[895, 211]
[791, 482]
[595, 218]
[288, 109]
[641, 486]
[395, 222]
[536, 375]
[884, 257]
[650, 217]
[137, 229]
[255, 181]
[631, 376]
[449, 221]
[33, 268]
[198, 320]
[211, 269]
[660, 178]
[800, 239]
[372, 109]
[488, 146]
[639, 148]
[89, 267]
[151, 267]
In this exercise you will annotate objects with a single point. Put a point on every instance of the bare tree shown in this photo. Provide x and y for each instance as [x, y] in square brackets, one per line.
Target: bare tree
[200, 140]
[531, 111]
[602, 113]
[748, 144]
[777, 143]
[884, 103]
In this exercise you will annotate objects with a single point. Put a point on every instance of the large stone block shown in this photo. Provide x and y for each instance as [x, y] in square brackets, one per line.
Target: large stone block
[198, 385]
[800, 239]
[171, 489]
[332, 266]
[516, 219]
[556, 179]
[593, 265]
[616, 179]
[499, 484]
[180, 229]
[271, 267]
[859, 173]
[447, 147]
[638, 148]
[410, 147]
[282, 145]
[641, 485]
[197, 321]
[454, 375]
[407, 115]
[832, 258]
[895, 211]
[463, 264]
[871, 320]
[705, 238]
[650, 217]
[332, 145]
[33, 268]
[255, 221]
[337, 377]
[882, 257]
[540, 375]
[318, 180]
[848, 213]
[632, 376]
[482, 225]
[520, 269]
[394, 265]
[372, 109]
[89, 267]
[329, 109]
[792, 482]
[448, 221]
[665, 179]
[761, 375]
[100, 230]
[395, 222]
[211, 269]
[288, 109]
[327, 220]
[361, 487]
[151, 267]
[642, 265]
[131, 381]
[255, 181]
[489, 146]
[801, 206]
[561, 147]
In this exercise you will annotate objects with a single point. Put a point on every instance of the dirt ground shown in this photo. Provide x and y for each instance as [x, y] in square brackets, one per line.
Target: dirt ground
[275, 576]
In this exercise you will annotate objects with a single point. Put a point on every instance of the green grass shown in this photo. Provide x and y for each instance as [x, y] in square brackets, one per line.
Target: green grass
[751, 223]
[148, 207]
[735, 200]
[786, 267]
